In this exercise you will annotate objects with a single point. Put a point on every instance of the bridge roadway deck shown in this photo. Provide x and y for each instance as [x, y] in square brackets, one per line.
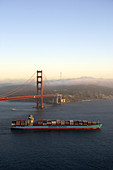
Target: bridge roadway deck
[27, 97]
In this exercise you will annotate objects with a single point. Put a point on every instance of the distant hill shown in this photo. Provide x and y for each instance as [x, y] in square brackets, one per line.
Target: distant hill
[75, 93]
[29, 90]
[71, 93]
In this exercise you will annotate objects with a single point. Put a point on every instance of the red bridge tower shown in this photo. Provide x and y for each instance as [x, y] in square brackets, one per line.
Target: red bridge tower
[40, 88]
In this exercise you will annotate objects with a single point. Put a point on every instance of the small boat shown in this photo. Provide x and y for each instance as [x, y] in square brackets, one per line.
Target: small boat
[54, 124]
[13, 109]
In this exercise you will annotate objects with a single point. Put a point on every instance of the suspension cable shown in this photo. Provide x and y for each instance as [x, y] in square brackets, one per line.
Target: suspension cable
[48, 84]
[22, 87]
[19, 87]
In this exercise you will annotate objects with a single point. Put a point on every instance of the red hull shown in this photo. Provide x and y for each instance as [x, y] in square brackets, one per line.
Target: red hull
[56, 128]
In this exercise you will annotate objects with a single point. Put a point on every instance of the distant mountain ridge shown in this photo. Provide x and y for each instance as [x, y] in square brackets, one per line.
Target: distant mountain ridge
[70, 92]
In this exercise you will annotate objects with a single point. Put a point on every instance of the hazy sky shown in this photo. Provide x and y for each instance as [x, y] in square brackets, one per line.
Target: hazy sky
[74, 37]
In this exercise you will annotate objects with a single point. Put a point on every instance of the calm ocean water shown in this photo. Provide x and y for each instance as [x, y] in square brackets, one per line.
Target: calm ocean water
[59, 150]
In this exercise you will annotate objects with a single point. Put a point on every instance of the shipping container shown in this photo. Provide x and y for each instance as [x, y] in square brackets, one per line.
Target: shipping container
[40, 123]
[58, 121]
[89, 123]
[80, 124]
[84, 123]
[67, 122]
[58, 124]
[44, 123]
[71, 122]
[49, 122]
[53, 122]
[22, 122]
[62, 122]
[76, 123]
[18, 122]
[39, 120]
[93, 123]
[80, 121]
[35, 124]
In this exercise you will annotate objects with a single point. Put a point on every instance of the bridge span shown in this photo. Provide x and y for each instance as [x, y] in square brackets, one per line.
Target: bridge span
[39, 94]
[26, 97]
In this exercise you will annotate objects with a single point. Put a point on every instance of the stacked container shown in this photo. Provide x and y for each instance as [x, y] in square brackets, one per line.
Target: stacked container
[62, 122]
[40, 122]
[53, 122]
[76, 123]
[93, 123]
[26, 123]
[17, 122]
[44, 122]
[89, 123]
[58, 122]
[35, 123]
[67, 123]
[85, 123]
[22, 122]
[71, 122]
[49, 122]
[80, 122]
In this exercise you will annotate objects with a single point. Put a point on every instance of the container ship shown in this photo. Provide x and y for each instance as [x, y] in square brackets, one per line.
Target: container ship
[54, 124]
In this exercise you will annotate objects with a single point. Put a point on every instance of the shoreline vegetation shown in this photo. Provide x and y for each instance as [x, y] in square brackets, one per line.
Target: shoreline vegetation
[71, 93]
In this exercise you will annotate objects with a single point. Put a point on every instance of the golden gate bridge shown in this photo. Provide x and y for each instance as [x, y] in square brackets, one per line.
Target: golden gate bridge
[39, 92]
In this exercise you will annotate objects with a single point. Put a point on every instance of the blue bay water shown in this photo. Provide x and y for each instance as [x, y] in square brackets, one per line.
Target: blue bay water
[62, 150]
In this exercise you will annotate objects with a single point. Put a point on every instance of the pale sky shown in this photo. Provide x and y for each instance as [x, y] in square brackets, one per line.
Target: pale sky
[74, 37]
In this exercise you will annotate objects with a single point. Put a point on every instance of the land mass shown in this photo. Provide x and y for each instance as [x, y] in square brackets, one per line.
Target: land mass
[72, 93]
[76, 93]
